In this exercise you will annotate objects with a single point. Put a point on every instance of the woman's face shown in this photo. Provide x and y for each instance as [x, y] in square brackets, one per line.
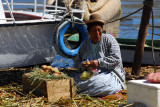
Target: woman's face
[95, 33]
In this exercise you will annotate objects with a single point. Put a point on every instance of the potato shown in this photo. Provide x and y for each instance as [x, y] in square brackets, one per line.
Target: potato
[44, 66]
[47, 71]
[48, 68]
[56, 74]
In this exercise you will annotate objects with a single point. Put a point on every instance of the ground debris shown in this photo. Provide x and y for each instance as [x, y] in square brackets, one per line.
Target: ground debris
[12, 94]
[145, 70]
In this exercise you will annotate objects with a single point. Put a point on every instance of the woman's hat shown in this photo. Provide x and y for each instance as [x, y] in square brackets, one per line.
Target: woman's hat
[95, 18]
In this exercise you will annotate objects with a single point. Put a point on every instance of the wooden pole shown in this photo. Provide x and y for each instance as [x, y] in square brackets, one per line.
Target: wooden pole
[147, 9]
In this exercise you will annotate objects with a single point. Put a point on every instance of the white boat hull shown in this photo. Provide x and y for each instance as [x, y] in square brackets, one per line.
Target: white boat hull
[27, 31]
[24, 45]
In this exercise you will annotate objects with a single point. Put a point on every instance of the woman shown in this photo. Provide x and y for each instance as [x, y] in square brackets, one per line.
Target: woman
[102, 52]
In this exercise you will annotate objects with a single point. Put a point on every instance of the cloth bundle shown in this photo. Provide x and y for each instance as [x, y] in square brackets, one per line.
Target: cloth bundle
[153, 77]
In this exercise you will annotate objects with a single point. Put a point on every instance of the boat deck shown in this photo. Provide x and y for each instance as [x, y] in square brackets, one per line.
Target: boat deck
[21, 15]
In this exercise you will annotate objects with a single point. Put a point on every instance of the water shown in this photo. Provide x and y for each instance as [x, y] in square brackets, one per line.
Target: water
[129, 27]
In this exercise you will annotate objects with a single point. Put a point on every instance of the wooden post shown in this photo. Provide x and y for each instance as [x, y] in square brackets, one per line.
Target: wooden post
[142, 37]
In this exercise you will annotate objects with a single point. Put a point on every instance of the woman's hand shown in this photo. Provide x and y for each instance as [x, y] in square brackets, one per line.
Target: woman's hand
[86, 65]
[91, 64]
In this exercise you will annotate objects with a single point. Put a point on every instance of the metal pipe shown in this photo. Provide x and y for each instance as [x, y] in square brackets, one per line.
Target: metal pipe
[10, 11]
[35, 5]
[44, 8]
[56, 8]
[82, 10]
[12, 5]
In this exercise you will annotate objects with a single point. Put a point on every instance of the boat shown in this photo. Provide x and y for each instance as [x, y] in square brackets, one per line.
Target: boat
[28, 31]
[33, 33]
[128, 47]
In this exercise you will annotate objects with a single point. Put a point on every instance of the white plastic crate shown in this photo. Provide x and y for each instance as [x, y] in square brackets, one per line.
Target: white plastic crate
[143, 92]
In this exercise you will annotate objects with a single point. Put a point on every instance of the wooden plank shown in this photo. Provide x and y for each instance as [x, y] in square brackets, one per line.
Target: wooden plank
[142, 37]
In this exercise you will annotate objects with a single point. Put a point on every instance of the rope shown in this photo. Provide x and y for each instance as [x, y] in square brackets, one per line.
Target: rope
[125, 16]
[69, 10]
[106, 22]
[153, 57]
[150, 4]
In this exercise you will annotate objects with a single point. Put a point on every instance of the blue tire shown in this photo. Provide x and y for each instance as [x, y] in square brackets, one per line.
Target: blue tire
[59, 35]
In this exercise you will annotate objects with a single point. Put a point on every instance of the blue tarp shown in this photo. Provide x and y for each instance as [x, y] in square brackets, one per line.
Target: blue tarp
[62, 62]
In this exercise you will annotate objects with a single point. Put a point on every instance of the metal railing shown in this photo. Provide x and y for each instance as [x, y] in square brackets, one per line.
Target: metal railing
[39, 8]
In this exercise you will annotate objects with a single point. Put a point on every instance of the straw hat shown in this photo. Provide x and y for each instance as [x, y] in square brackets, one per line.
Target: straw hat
[95, 18]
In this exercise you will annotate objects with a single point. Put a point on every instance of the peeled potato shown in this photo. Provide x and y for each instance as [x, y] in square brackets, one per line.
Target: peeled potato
[44, 66]
[48, 68]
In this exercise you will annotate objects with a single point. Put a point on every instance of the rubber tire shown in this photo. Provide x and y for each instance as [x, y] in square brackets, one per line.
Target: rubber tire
[59, 34]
